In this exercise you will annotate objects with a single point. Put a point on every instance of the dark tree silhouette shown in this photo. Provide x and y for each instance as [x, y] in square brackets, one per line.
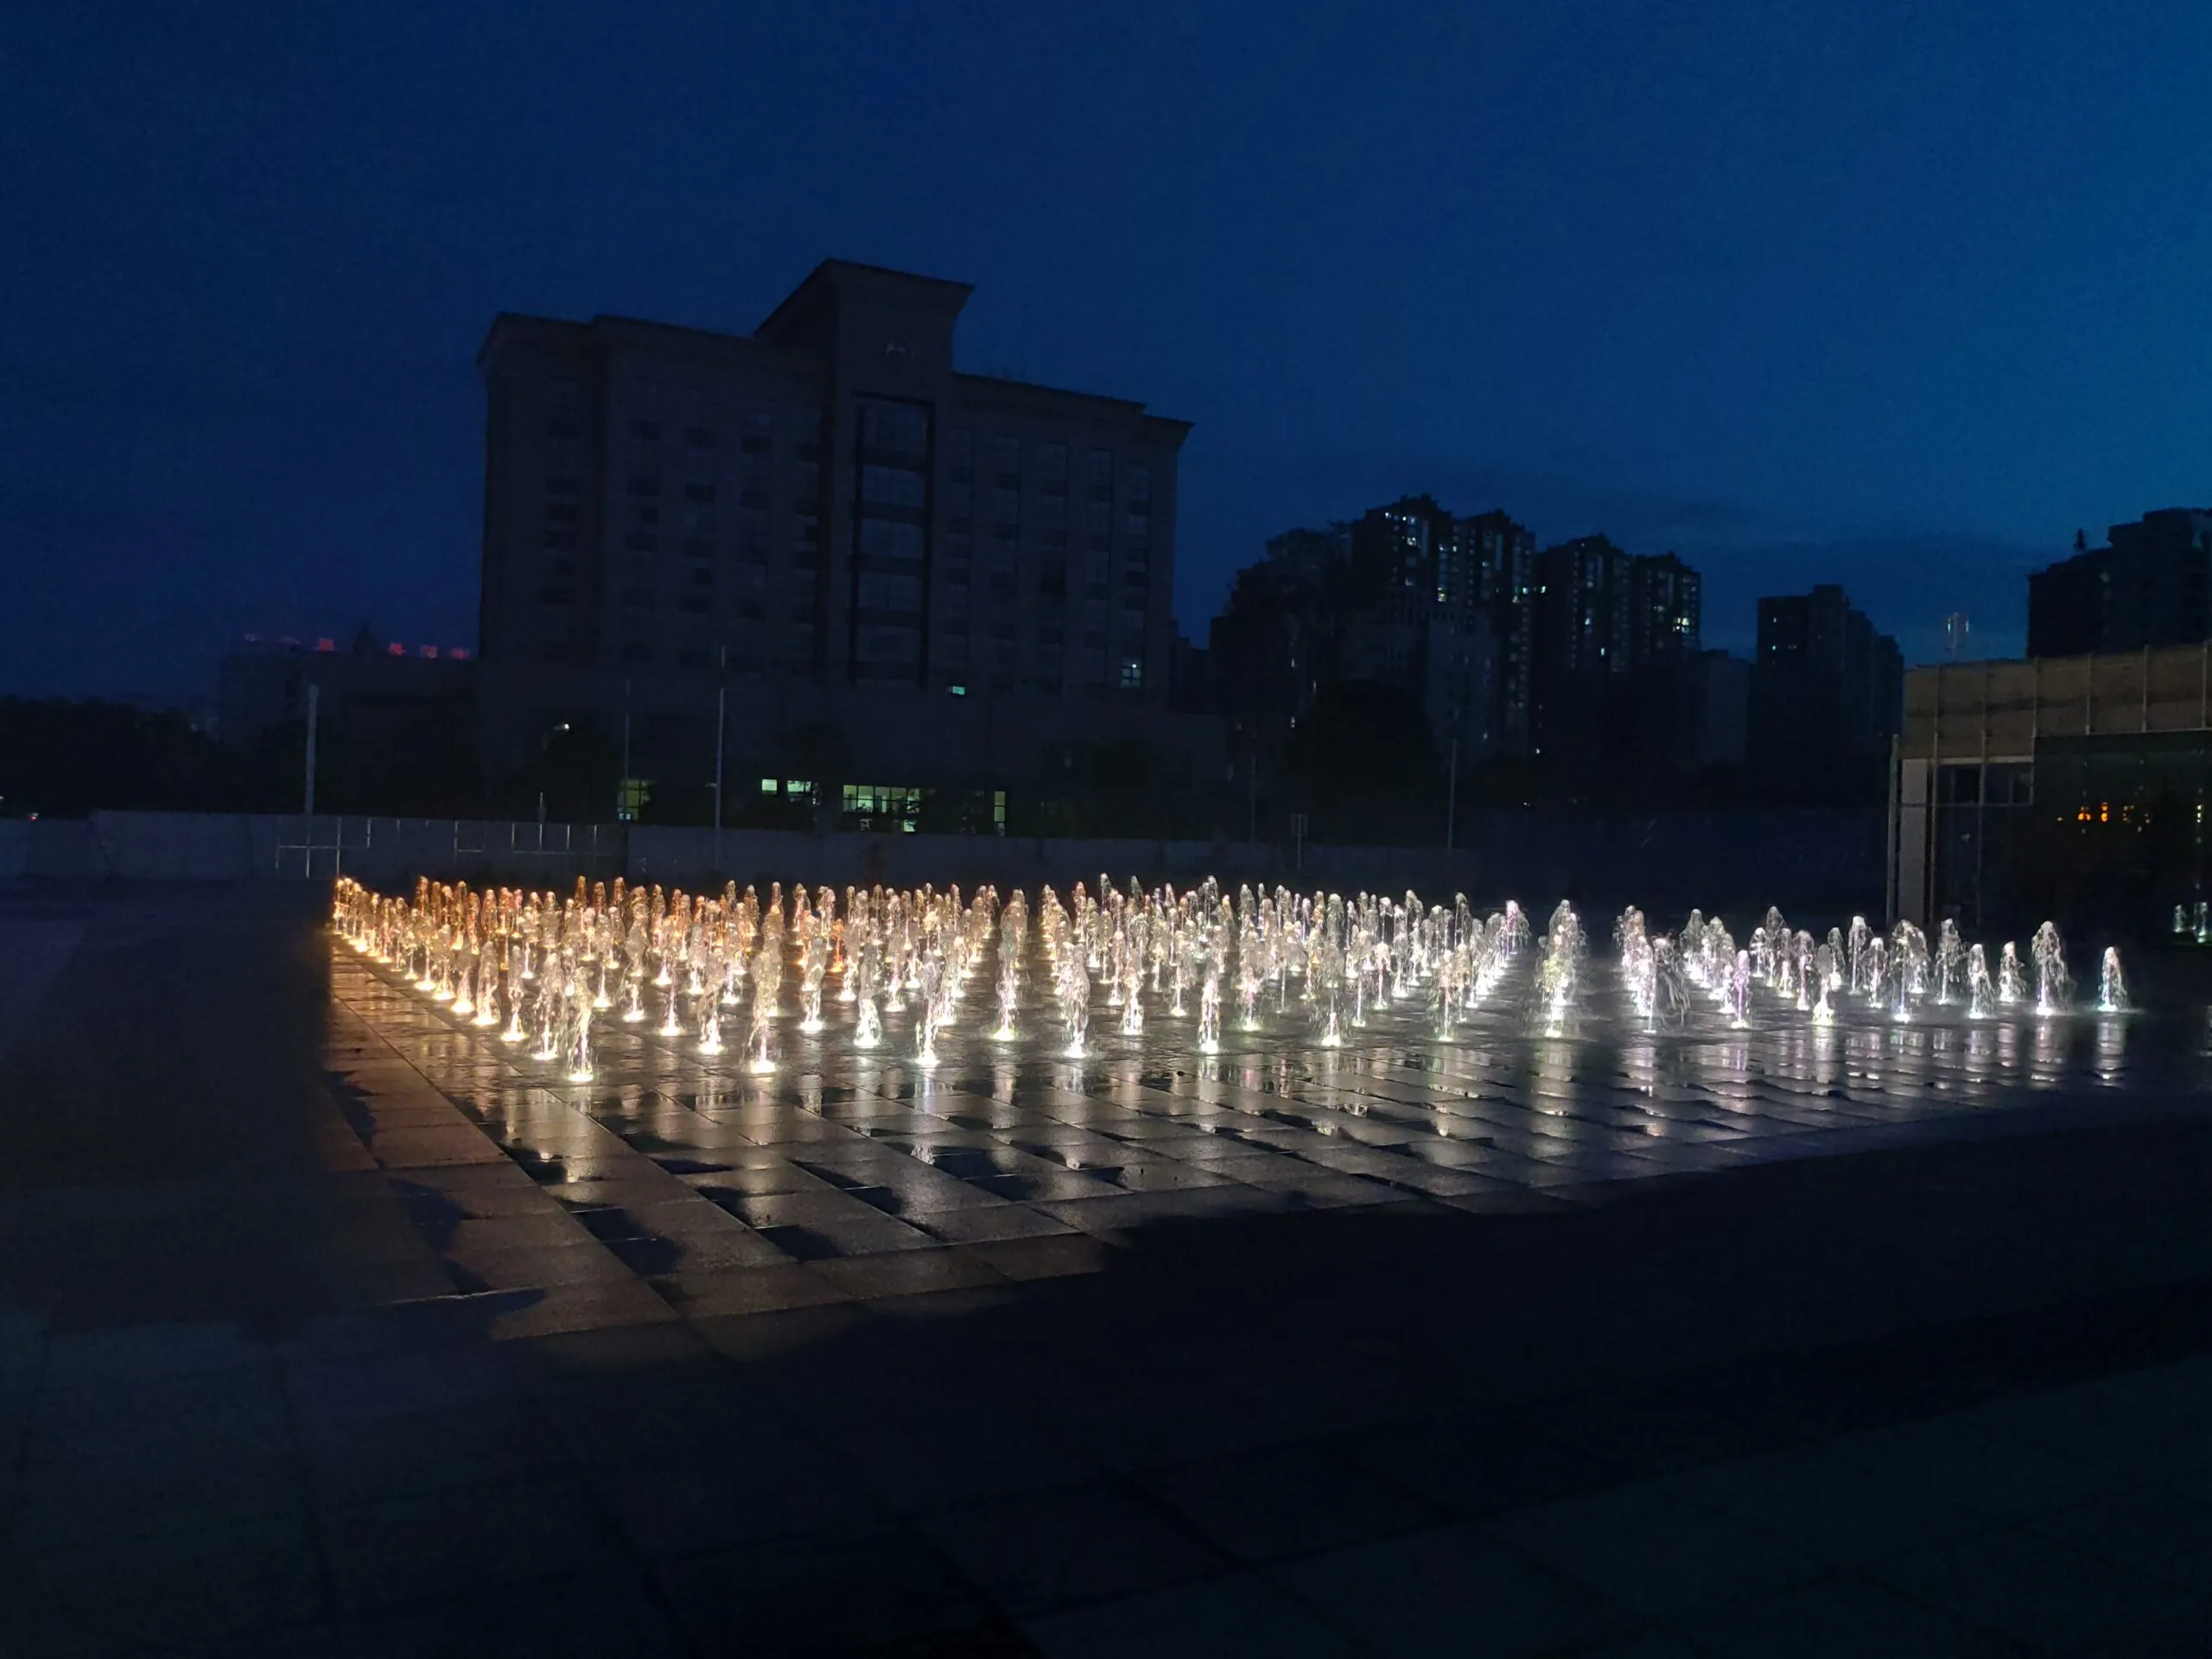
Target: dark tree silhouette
[1363, 766]
[68, 758]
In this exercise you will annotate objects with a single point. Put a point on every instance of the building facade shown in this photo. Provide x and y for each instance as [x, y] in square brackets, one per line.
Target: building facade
[1273, 646]
[1581, 628]
[1666, 609]
[2151, 587]
[1503, 554]
[1827, 695]
[1409, 594]
[1711, 719]
[821, 522]
[2066, 604]
[828, 498]
[1422, 618]
[1615, 668]
[1583, 652]
[2069, 787]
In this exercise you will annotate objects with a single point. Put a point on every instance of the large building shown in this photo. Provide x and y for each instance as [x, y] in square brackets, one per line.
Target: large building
[2151, 587]
[824, 524]
[1274, 646]
[1616, 655]
[2067, 787]
[1714, 726]
[1422, 584]
[1581, 626]
[2073, 784]
[828, 497]
[1408, 594]
[1585, 654]
[1503, 554]
[1827, 695]
[2066, 604]
[1666, 609]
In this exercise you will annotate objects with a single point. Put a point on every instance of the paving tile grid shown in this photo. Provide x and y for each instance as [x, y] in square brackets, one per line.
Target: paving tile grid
[681, 1163]
[688, 1362]
[384, 1484]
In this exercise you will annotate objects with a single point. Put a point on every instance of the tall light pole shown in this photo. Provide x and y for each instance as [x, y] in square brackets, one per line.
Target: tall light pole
[315, 710]
[545, 760]
[622, 789]
[1451, 791]
[1252, 791]
[722, 716]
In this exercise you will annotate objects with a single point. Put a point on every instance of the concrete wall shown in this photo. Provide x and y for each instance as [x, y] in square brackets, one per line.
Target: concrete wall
[238, 847]
[1826, 862]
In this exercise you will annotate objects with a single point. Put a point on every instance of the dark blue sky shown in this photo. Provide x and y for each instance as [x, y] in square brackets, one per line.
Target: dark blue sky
[1896, 295]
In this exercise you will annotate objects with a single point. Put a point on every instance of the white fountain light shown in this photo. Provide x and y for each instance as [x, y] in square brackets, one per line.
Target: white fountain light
[539, 969]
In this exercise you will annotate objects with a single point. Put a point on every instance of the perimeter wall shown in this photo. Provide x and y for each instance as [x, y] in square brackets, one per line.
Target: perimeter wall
[1819, 861]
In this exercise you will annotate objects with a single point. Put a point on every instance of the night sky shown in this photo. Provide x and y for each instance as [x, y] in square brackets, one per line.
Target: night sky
[1893, 295]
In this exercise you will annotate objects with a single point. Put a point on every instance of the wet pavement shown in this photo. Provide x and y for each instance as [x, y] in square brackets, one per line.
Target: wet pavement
[828, 1153]
[329, 1325]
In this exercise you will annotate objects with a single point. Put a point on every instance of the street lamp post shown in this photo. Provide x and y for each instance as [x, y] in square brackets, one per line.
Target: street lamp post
[622, 789]
[722, 716]
[544, 763]
[315, 710]
[1452, 792]
[1252, 792]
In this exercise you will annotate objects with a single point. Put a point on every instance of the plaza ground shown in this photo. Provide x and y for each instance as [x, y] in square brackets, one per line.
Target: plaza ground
[326, 1327]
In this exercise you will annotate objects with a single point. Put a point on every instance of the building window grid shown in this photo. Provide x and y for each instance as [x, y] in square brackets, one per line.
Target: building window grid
[690, 427]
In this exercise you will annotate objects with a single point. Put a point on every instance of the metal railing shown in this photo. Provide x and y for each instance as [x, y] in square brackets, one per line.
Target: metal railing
[325, 847]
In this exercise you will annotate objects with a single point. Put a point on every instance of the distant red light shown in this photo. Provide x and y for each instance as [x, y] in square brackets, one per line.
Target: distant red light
[326, 645]
[430, 651]
[395, 649]
[459, 653]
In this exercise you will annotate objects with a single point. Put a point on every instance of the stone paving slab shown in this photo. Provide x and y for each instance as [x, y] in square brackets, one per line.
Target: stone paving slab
[1940, 1391]
[839, 1155]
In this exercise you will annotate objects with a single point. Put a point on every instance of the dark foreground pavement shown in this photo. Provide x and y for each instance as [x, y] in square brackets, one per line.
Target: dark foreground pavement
[295, 1358]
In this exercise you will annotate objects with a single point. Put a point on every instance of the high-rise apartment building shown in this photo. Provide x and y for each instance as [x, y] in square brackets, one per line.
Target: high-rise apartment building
[1411, 607]
[1582, 615]
[1616, 638]
[1438, 606]
[1666, 610]
[828, 500]
[1827, 693]
[1410, 594]
[2151, 587]
[1584, 652]
[2066, 604]
[1274, 644]
[1503, 556]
